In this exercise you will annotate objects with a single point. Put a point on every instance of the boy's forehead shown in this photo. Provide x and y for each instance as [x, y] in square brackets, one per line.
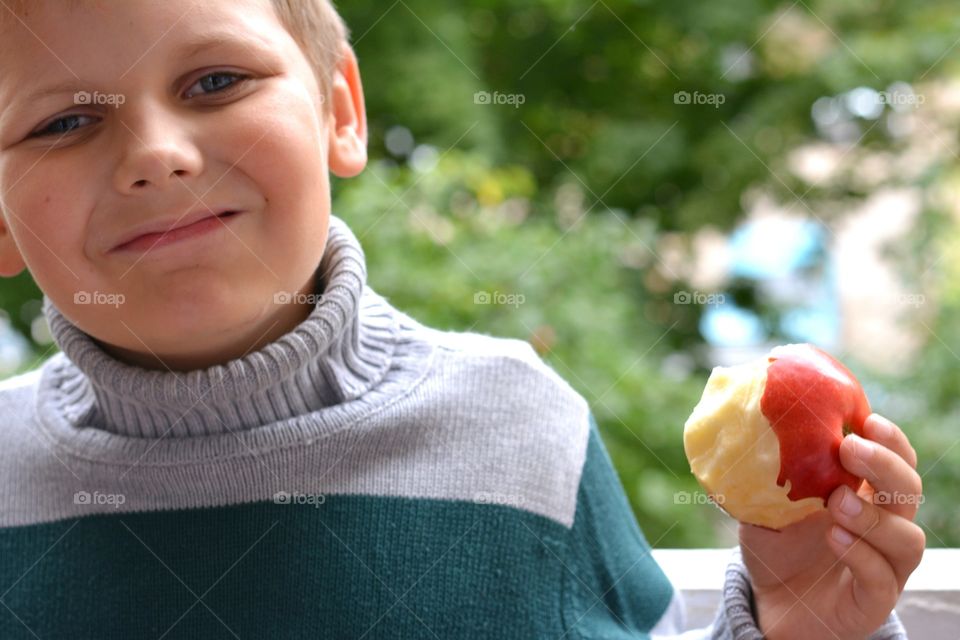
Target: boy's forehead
[70, 28]
[56, 42]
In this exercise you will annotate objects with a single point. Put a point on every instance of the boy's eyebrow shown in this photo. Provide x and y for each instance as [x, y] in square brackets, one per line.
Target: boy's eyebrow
[66, 86]
[194, 48]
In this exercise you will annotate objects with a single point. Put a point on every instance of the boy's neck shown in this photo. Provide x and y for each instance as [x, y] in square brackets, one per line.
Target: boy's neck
[268, 328]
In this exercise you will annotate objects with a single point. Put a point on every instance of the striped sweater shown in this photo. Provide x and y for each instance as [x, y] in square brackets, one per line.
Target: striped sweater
[363, 476]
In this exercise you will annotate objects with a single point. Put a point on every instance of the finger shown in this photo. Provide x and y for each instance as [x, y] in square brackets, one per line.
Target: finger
[891, 436]
[898, 487]
[899, 540]
[875, 590]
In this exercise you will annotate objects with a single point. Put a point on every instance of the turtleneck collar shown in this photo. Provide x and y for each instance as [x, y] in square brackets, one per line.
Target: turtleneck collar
[342, 349]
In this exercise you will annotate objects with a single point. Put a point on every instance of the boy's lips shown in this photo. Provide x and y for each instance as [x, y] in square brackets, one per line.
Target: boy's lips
[170, 230]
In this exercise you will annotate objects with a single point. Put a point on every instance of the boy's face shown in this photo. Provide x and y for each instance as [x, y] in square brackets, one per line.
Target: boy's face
[159, 138]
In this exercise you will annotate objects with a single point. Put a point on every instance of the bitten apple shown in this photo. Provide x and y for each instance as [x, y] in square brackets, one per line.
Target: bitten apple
[764, 440]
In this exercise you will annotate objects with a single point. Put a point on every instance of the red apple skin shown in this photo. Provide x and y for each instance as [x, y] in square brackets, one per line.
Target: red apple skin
[808, 399]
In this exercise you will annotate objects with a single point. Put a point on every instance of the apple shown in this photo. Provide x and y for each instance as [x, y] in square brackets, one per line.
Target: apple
[764, 440]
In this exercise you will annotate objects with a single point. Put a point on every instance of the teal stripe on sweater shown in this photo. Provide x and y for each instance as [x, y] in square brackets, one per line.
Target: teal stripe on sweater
[354, 567]
[614, 584]
[350, 567]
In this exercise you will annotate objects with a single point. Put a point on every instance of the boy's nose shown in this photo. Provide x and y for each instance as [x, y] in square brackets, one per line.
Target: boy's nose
[154, 151]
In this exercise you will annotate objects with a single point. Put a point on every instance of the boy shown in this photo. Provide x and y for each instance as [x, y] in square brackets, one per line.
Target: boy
[240, 438]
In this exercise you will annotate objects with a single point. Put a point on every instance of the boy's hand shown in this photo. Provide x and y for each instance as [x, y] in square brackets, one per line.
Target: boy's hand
[808, 585]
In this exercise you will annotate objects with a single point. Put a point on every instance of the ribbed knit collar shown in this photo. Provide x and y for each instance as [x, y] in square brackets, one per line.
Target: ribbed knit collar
[336, 354]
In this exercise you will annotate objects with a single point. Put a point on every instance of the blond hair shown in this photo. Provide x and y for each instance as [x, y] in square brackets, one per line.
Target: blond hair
[315, 25]
[321, 33]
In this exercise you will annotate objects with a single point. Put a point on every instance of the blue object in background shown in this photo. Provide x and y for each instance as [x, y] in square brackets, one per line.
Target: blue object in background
[782, 257]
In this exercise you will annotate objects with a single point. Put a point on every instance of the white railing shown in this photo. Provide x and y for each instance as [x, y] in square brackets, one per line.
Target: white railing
[929, 606]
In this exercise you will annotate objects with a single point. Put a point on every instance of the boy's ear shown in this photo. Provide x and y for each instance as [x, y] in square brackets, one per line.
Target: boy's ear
[347, 118]
[11, 262]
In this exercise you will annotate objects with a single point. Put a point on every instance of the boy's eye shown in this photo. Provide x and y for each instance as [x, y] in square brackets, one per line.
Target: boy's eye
[210, 83]
[214, 81]
[59, 127]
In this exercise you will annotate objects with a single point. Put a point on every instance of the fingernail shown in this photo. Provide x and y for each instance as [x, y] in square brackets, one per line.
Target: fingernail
[850, 503]
[841, 536]
[863, 448]
[881, 427]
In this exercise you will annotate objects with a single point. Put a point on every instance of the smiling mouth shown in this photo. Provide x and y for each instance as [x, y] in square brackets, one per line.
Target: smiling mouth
[160, 239]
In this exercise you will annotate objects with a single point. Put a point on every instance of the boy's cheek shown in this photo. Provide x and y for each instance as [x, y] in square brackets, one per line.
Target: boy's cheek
[50, 235]
[283, 118]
